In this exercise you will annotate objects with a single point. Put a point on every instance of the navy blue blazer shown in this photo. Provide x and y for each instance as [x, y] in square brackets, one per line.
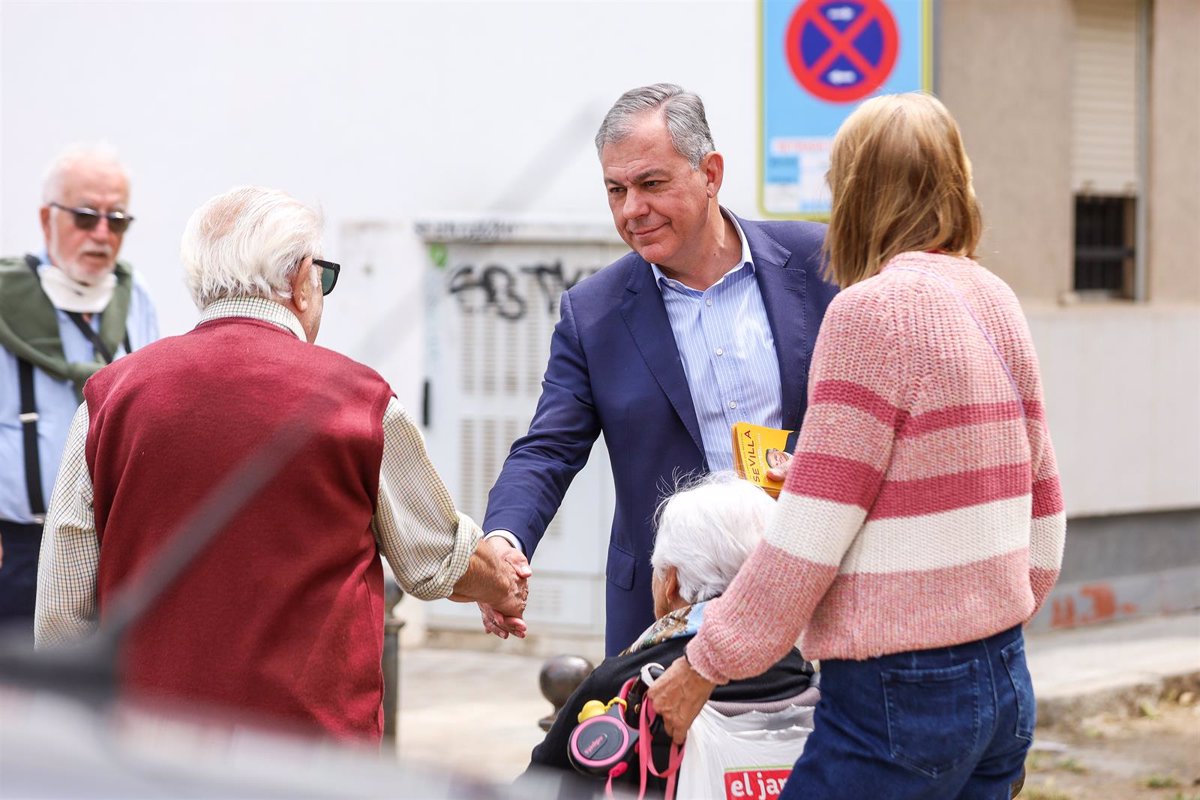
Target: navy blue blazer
[614, 368]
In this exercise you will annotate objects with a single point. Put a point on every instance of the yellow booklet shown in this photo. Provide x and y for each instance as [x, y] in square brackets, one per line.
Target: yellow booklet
[756, 449]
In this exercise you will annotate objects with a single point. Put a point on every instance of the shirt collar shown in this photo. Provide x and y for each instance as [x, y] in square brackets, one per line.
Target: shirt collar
[747, 259]
[259, 308]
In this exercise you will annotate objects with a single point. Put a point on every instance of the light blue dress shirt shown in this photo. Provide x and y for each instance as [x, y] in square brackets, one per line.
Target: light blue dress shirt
[728, 352]
[56, 404]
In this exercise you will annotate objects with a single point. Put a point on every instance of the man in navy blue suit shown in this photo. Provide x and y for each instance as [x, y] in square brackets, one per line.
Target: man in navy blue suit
[709, 321]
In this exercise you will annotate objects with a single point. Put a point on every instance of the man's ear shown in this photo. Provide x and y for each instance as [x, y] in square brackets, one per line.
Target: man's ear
[44, 215]
[713, 167]
[302, 286]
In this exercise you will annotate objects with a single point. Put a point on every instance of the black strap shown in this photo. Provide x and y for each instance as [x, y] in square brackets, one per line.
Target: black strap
[29, 420]
[97, 343]
[29, 413]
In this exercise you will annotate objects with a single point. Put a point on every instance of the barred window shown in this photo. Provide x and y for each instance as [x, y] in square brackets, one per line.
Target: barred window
[1109, 96]
[1104, 245]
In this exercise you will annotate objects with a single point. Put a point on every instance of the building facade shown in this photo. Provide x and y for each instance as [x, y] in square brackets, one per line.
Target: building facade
[1083, 123]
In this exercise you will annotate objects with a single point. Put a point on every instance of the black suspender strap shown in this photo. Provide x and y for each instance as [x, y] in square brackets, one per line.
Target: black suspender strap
[97, 343]
[29, 413]
[29, 420]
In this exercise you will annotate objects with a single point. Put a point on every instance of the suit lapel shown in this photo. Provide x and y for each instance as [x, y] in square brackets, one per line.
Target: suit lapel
[782, 284]
[645, 314]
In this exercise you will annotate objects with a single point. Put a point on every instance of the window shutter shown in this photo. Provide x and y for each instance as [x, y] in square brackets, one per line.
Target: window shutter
[1104, 113]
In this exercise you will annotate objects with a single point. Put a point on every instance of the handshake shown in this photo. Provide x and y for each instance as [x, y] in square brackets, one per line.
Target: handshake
[498, 580]
[498, 577]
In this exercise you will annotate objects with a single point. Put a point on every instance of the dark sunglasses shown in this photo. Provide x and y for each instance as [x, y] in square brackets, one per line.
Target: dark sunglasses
[87, 219]
[329, 274]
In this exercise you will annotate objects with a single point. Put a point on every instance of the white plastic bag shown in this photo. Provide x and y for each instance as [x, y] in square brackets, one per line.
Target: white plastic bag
[743, 757]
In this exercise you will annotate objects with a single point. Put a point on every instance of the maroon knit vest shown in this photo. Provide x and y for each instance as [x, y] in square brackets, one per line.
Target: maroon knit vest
[281, 616]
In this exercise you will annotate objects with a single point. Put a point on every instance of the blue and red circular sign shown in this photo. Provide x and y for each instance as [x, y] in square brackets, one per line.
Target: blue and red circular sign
[842, 50]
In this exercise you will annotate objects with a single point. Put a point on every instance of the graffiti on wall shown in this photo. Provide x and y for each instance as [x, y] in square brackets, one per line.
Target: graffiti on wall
[1093, 602]
[500, 289]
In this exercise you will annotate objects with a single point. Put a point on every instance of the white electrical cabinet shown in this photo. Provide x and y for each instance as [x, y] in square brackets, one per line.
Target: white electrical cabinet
[492, 293]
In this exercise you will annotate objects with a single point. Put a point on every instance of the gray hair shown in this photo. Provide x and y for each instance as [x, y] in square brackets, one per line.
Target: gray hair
[706, 530]
[97, 153]
[683, 112]
[248, 242]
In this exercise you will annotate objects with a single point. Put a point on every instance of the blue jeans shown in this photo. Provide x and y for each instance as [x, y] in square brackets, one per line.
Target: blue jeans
[953, 722]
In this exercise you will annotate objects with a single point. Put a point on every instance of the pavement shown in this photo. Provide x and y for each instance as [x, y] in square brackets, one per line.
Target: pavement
[1113, 666]
[476, 711]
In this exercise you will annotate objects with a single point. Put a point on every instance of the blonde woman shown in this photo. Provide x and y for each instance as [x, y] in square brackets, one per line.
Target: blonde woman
[921, 523]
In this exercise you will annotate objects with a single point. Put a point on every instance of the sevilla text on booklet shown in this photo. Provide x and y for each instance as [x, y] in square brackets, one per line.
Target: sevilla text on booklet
[756, 449]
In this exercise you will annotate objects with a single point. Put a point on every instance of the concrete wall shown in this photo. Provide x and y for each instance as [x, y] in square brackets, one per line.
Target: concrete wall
[991, 57]
[1174, 197]
[1125, 566]
[1122, 387]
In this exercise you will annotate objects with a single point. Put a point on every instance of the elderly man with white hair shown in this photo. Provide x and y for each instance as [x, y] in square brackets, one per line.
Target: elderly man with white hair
[66, 310]
[704, 533]
[281, 615]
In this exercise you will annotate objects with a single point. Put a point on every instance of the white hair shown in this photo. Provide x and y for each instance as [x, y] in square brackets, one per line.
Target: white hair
[707, 530]
[248, 242]
[97, 153]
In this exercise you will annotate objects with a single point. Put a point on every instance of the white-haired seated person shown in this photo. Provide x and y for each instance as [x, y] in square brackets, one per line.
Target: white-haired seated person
[705, 532]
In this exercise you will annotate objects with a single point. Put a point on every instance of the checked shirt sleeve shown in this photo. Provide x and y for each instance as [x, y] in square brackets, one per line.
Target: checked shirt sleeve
[425, 540]
[66, 592]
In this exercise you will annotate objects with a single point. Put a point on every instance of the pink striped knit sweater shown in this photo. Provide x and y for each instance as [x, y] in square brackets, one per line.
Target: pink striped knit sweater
[922, 509]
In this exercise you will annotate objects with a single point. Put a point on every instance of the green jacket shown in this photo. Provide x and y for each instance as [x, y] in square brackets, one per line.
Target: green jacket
[29, 324]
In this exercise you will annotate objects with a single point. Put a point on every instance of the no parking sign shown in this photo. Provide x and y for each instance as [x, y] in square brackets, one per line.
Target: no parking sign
[819, 58]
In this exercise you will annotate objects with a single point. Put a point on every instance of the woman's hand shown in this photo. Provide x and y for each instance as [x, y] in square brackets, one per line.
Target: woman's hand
[678, 695]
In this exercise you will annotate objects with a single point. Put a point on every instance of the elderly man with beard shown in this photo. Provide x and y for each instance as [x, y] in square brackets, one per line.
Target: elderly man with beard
[65, 312]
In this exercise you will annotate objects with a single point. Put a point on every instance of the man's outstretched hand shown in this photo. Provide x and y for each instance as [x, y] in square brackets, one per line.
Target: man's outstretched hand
[505, 619]
[498, 580]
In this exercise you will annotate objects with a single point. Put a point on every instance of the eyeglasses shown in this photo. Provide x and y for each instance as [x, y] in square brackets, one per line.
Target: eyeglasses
[87, 219]
[329, 274]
